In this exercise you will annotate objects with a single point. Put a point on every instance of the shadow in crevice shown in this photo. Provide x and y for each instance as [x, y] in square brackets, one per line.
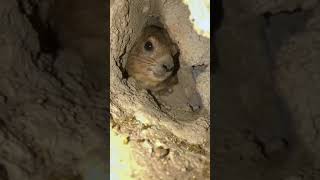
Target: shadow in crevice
[48, 38]
[217, 14]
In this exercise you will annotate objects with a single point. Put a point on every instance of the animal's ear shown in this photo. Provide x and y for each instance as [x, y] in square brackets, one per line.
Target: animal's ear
[174, 49]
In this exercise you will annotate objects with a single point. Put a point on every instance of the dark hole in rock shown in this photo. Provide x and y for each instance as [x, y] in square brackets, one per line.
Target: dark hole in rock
[48, 37]
[192, 100]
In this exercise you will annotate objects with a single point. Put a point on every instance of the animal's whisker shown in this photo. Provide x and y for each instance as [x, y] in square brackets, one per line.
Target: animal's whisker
[145, 63]
[144, 58]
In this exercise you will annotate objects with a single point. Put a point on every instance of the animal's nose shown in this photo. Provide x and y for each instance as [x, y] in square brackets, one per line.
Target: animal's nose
[168, 67]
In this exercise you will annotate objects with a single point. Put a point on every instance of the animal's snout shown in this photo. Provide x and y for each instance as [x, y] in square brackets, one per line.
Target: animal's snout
[164, 67]
[167, 64]
[168, 67]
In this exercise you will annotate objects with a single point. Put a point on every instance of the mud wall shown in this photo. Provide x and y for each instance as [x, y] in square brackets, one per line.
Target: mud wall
[126, 22]
[267, 77]
[52, 107]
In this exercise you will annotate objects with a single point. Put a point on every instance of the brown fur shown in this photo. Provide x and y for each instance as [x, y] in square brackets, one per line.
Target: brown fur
[144, 66]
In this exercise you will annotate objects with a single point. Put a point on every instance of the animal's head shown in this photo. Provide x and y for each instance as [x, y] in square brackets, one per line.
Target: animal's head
[151, 58]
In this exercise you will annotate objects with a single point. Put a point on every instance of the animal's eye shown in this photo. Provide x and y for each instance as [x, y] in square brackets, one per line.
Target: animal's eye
[148, 46]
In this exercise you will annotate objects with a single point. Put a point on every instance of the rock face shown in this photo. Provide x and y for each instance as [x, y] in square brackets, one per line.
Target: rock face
[297, 70]
[193, 86]
[52, 109]
[266, 90]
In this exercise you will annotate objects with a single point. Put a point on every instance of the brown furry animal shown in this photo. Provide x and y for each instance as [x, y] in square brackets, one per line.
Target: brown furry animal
[151, 60]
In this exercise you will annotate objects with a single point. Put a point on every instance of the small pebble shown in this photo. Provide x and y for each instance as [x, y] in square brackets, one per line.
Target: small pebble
[161, 152]
[116, 127]
[146, 144]
[126, 140]
[140, 140]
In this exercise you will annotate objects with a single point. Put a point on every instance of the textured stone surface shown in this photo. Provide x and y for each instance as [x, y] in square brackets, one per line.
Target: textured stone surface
[52, 117]
[297, 73]
[194, 51]
[266, 91]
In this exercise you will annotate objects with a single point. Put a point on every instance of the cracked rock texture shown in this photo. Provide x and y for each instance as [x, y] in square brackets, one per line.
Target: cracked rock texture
[52, 112]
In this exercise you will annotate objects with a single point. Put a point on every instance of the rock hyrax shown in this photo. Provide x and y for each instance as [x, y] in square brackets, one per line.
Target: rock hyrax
[151, 60]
